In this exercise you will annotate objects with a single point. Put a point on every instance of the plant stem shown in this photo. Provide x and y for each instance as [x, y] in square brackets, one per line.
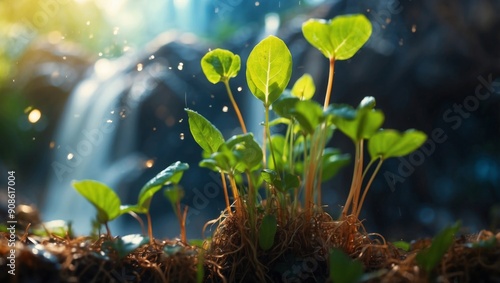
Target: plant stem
[368, 186]
[268, 133]
[107, 229]
[226, 196]
[330, 83]
[182, 222]
[359, 179]
[353, 183]
[150, 228]
[235, 106]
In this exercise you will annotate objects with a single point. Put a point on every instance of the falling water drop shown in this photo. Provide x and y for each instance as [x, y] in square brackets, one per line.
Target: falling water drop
[182, 136]
[100, 54]
[70, 156]
[151, 57]
[413, 28]
[109, 121]
[149, 163]
[34, 116]
[180, 66]
[180, 121]
[240, 88]
[224, 109]
[52, 144]
[257, 3]
[139, 67]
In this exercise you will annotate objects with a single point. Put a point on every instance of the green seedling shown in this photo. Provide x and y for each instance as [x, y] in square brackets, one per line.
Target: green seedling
[220, 65]
[267, 231]
[175, 194]
[343, 269]
[103, 198]
[169, 176]
[429, 258]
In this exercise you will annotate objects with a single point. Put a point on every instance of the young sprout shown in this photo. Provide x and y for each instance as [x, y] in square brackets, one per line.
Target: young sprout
[220, 65]
[103, 198]
[170, 176]
[174, 194]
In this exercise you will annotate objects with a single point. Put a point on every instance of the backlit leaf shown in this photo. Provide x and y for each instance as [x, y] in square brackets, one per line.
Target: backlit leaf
[220, 65]
[171, 175]
[204, 133]
[304, 87]
[366, 123]
[430, 257]
[104, 199]
[339, 38]
[269, 68]
[391, 143]
[343, 269]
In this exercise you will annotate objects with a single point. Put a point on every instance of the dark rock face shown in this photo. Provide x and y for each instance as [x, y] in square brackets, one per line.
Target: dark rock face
[431, 66]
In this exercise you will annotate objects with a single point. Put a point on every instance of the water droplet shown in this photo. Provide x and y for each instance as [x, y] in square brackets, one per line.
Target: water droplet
[212, 96]
[64, 57]
[151, 57]
[240, 88]
[34, 138]
[126, 48]
[109, 121]
[115, 30]
[100, 54]
[413, 28]
[182, 136]
[88, 23]
[224, 109]
[70, 156]
[149, 163]
[368, 10]
[401, 42]
[180, 121]
[139, 67]
[112, 112]
[123, 113]
[257, 3]
[52, 144]
[170, 68]
[388, 20]
[180, 66]
[34, 116]
[154, 129]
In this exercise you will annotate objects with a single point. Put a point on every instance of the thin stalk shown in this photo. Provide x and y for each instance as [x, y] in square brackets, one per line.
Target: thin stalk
[182, 222]
[368, 186]
[226, 196]
[353, 183]
[150, 228]
[310, 177]
[330, 83]
[238, 204]
[268, 132]
[107, 229]
[235, 106]
[359, 181]
[251, 199]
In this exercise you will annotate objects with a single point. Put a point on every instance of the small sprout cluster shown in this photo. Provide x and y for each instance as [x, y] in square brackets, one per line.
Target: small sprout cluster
[270, 182]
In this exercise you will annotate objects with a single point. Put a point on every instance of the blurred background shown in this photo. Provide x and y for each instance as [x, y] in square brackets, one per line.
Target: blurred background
[96, 90]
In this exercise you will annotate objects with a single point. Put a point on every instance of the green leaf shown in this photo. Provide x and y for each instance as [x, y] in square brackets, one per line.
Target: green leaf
[333, 161]
[391, 143]
[343, 269]
[367, 102]
[304, 87]
[267, 232]
[430, 257]
[339, 38]
[489, 243]
[285, 104]
[405, 246]
[269, 67]
[220, 65]
[174, 194]
[126, 244]
[171, 175]
[104, 199]
[309, 114]
[247, 152]
[366, 123]
[342, 111]
[204, 133]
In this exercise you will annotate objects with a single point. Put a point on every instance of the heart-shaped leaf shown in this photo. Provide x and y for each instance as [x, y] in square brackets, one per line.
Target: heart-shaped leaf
[269, 67]
[171, 175]
[333, 161]
[247, 151]
[204, 133]
[309, 114]
[220, 65]
[304, 87]
[339, 38]
[267, 232]
[102, 197]
[366, 123]
[391, 143]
